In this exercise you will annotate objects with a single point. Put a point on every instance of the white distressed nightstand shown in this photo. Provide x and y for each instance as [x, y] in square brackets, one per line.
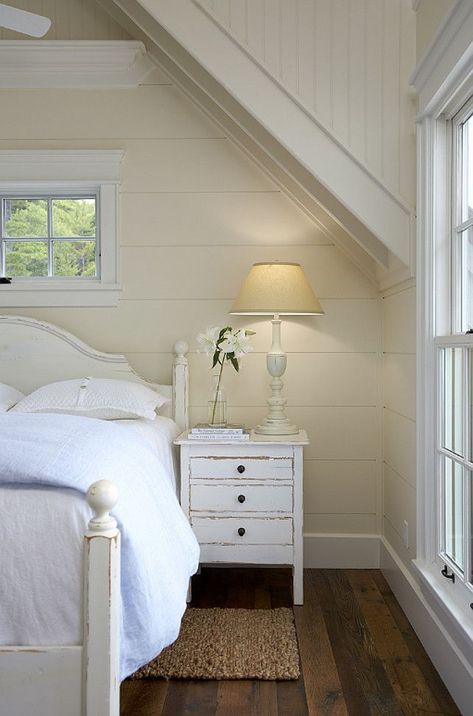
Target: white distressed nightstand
[244, 500]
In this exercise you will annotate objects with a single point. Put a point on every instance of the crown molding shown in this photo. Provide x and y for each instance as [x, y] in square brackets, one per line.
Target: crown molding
[72, 63]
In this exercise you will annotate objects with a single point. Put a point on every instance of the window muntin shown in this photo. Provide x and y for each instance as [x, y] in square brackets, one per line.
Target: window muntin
[50, 236]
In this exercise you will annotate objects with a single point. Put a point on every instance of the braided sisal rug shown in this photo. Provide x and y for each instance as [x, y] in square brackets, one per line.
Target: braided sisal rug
[230, 644]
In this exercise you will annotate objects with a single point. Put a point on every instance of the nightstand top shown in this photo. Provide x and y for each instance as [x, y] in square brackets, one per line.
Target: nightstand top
[299, 438]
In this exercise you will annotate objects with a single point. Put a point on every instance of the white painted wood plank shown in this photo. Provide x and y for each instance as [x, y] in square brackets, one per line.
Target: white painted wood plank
[164, 112]
[340, 487]
[288, 18]
[331, 379]
[259, 219]
[247, 554]
[339, 524]
[391, 93]
[202, 272]
[340, 60]
[272, 39]
[356, 79]
[256, 27]
[374, 84]
[238, 20]
[400, 384]
[399, 451]
[399, 322]
[400, 504]
[347, 326]
[258, 531]
[407, 110]
[255, 467]
[197, 165]
[306, 44]
[224, 498]
[323, 64]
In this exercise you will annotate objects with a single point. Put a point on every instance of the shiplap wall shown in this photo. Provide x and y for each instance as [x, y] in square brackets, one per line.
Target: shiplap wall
[72, 20]
[196, 212]
[399, 414]
[347, 62]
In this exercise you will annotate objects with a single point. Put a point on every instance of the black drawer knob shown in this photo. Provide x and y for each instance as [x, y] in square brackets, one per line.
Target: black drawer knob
[241, 531]
[241, 469]
[241, 498]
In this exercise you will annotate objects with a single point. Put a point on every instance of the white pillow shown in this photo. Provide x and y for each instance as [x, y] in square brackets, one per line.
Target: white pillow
[8, 397]
[103, 398]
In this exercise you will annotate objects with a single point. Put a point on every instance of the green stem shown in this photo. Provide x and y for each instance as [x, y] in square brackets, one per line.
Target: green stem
[216, 391]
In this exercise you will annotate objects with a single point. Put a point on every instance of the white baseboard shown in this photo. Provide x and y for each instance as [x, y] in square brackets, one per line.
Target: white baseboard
[341, 551]
[455, 670]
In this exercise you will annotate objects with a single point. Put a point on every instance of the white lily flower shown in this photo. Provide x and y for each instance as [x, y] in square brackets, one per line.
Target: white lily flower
[236, 342]
[208, 340]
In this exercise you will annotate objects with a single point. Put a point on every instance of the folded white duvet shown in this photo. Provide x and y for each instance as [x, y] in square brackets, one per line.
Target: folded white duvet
[59, 456]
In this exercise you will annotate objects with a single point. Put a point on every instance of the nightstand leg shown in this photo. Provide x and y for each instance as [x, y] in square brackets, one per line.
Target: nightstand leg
[189, 592]
[298, 585]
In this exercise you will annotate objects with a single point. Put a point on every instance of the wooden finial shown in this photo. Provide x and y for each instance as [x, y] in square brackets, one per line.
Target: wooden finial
[102, 496]
[180, 349]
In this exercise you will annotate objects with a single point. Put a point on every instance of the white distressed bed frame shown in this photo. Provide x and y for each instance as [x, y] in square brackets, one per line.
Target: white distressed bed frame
[75, 680]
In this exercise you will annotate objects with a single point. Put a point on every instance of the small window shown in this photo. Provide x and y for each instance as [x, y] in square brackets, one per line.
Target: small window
[49, 237]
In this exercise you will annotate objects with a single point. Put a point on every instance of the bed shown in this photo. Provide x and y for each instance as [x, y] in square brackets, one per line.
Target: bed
[82, 626]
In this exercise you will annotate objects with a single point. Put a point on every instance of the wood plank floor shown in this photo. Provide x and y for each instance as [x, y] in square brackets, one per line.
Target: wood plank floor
[359, 653]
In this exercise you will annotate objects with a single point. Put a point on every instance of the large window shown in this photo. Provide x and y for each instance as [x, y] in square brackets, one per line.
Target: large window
[454, 349]
[49, 236]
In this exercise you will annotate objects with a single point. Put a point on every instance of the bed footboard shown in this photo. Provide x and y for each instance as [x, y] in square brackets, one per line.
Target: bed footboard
[76, 680]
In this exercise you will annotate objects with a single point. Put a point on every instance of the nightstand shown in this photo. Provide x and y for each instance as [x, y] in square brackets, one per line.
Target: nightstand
[244, 500]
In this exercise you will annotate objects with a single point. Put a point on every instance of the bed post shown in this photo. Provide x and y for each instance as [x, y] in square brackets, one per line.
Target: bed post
[180, 385]
[101, 659]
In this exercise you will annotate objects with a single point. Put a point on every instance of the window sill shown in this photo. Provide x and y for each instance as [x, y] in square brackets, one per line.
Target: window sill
[27, 294]
[455, 616]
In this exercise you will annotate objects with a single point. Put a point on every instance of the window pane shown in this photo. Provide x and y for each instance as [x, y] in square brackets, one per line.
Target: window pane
[25, 218]
[26, 258]
[74, 258]
[467, 170]
[73, 217]
[466, 253]
[453, 511]
[452, 434]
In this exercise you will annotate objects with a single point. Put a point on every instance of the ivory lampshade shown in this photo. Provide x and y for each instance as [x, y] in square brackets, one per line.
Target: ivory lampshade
[276, 288]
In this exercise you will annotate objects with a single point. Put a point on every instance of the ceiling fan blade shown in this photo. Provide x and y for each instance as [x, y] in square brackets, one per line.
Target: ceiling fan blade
[28, 23]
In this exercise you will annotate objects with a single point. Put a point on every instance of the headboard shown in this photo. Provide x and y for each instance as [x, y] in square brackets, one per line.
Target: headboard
[34, 353]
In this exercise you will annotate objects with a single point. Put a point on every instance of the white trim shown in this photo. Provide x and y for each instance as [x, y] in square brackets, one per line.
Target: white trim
[341, 551]
[446, 66]
[451, 663]
[73, 63]
[59, 170]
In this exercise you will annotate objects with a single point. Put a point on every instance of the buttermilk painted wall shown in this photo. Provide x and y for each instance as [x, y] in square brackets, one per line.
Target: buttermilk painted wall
[195, 213]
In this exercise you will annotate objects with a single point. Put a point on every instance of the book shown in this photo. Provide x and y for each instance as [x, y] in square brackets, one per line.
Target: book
[241, 437]
[205, 429]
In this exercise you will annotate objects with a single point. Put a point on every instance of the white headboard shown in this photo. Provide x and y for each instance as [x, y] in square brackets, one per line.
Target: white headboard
[34, 353]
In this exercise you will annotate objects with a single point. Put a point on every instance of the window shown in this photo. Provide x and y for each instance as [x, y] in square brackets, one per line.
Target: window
[58, 227]
[454, 363]
[49, 237]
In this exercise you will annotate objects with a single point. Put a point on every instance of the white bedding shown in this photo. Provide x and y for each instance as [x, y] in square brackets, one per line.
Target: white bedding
[42, 604]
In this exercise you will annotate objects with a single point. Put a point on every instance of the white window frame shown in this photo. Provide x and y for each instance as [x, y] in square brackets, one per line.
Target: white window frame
[444, 83]
[66, 172]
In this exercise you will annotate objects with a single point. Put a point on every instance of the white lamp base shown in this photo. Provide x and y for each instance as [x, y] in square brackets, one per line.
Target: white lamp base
[276, 422]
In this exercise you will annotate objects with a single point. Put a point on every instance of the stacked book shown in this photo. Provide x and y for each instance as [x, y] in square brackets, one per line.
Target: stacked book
[203, 431]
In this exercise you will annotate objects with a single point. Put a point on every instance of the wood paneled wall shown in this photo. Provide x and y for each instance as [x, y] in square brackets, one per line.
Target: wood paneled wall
[399, 415]
[196, 212]
[347, 62]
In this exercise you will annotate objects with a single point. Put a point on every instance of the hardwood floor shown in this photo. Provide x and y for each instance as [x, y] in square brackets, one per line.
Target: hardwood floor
[359, 653]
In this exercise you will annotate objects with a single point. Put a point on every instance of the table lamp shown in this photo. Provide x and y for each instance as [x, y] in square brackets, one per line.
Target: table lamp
[276, 289]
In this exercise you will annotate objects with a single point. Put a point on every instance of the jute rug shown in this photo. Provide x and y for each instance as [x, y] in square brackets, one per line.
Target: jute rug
[230, 644]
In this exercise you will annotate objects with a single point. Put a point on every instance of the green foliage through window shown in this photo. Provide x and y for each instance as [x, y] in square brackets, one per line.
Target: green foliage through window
[48, 237]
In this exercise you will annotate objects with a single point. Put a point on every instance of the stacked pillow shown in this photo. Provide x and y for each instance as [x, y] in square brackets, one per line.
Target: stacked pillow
[103, 398]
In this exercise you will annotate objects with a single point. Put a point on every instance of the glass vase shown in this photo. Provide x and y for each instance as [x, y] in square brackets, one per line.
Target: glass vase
[217, 404]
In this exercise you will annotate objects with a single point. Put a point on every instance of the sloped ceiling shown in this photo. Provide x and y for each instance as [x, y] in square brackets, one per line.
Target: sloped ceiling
[368, 220]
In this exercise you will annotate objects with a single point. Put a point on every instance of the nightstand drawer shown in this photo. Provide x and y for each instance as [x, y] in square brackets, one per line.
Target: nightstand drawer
[240, 498]
[242, 530]
[248, 468]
